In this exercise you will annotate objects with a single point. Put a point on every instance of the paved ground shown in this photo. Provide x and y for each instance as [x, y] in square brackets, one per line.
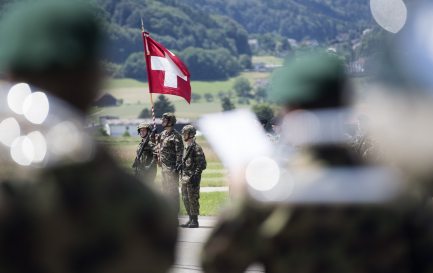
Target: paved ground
[191, 241]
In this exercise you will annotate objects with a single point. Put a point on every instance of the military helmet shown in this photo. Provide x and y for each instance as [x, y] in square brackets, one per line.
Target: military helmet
[190, 130]
[311, 80]
[144, 125]
[64, 35]
[170, 117]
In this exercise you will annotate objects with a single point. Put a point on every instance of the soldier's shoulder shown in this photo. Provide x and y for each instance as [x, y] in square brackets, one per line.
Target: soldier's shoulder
[198, 147]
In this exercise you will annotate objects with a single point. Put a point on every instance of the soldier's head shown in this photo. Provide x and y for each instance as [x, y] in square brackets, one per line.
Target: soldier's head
[54, 45]
[188, 132]
[168, 120]
[311, 81]
[143, 129]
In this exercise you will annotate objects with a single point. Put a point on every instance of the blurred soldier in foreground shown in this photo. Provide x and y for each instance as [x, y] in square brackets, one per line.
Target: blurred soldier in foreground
[193, 164]
[170, 156]
[145, 160]
[329, 222]
[84, 214]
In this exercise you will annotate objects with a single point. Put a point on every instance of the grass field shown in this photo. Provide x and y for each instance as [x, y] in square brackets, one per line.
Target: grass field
[132, 90]
[135, 97]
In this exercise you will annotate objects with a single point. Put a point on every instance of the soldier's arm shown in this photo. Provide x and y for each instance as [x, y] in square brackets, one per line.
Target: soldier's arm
[200, 160]
[178, 144]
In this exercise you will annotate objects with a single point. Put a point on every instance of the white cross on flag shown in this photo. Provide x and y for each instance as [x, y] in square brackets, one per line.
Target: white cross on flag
[167, 74]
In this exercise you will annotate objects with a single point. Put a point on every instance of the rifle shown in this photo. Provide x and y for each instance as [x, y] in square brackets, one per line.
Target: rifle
[182, 165]
[140, 153]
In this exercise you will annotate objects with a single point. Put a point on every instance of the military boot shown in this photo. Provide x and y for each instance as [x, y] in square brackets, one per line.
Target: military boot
[194, 222]
[187, 223]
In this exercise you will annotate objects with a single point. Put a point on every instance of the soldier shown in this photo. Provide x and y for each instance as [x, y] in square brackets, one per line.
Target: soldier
[81, 214]
[146, 158]
[193, 164]
[315, 233]
[170, 158]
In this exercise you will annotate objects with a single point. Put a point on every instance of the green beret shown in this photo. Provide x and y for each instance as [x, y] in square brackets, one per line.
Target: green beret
[48, 35]
[316, 79]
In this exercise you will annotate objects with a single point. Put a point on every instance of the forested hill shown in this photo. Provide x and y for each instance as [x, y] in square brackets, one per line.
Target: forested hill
[175, 25]
[315, 19]
[211, 36]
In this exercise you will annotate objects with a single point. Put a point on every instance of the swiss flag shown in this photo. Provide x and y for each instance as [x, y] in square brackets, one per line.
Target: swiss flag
[167, 74]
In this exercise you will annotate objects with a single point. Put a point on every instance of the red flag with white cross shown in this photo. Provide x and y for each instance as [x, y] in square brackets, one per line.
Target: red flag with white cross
[167, 74]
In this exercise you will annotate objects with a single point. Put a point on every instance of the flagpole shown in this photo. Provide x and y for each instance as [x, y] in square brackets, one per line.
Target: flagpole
[146, 48]
[147, 53]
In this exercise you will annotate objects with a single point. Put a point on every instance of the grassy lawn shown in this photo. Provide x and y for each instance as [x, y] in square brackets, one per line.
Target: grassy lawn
[210, 203]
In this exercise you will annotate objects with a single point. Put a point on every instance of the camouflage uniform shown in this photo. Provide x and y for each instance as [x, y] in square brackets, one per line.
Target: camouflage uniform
[194, 162]
[145, 163]
[170, 150]
[322, 238]
[88, 217]
[389, 236]
[80, 215]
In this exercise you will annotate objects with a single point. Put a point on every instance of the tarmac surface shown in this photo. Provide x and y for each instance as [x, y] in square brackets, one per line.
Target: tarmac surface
[190, 243]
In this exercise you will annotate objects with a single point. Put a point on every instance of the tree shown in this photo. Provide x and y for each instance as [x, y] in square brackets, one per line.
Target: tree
[195, 97]
[208, 97]
[126, 133]
[261, 94]
[210, 64]
[145, 113]
[222, 94]
[163, 105]
[264, 114]
[135, 67]
[227, 104]
[242, 87]
[245, 61]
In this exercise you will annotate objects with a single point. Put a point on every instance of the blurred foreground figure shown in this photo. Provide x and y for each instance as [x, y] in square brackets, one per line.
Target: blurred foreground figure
[339, 215]
[82, 212]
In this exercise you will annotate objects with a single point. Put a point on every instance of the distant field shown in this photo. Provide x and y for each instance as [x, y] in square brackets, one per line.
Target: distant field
[268, 60]
[135, 97]
[131, 86]
[183, 109]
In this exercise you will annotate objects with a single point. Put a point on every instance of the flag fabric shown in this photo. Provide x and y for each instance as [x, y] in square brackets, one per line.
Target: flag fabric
[167, 74]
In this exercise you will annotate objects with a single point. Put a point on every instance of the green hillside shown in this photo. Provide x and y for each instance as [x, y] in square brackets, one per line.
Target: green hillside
[322, 20]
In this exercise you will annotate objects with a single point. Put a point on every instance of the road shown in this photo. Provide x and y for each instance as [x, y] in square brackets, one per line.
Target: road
[189, 247]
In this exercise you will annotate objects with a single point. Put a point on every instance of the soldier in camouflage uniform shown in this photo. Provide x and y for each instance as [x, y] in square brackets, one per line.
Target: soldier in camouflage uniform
[170, 158]
[193, 164]
[389, 236]
[146, 159]
[84, 215]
